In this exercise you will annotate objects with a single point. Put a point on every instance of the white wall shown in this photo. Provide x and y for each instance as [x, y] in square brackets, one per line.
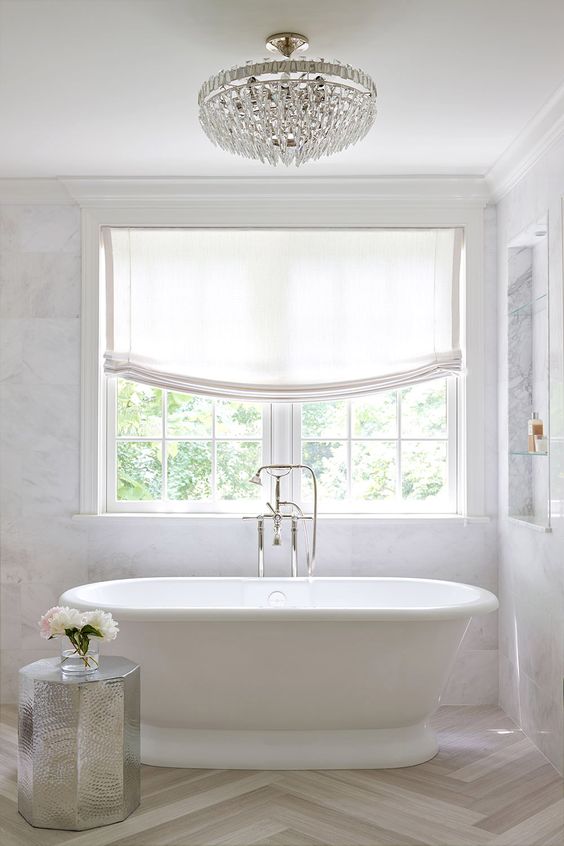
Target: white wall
[531, 565]
[45, 550]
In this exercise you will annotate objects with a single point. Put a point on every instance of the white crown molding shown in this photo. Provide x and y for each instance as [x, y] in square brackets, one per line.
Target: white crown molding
[544, 130]
[36, 192]
[173, 192]
[176, 191]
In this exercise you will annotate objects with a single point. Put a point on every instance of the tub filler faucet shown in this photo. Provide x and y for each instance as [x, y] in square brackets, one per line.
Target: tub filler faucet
[286, 510]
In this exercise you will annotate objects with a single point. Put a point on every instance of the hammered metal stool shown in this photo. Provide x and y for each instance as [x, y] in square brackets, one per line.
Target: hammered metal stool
[78, 745]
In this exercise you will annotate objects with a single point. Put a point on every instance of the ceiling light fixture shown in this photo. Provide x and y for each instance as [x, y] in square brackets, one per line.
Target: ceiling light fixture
[288, 110]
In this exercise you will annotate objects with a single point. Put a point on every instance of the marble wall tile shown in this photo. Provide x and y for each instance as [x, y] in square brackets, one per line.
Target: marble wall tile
[531, 572]
[49, 351]
[10, 487]
[10, 617]
[35, 598]
[482, 633]
[11, 403]
[11, 350]
[10, 662]
[14, 291]
[462, 553]
[542, 719]
[40, 417]
[474, 679]
[40, 229]
[50, 481]
[39, 285]
[509, 689]
[520, 277]
[47, 549]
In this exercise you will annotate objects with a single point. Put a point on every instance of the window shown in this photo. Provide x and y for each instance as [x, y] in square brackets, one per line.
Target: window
[249, 210]
[170, 451]
[361, 392]
[391, 452]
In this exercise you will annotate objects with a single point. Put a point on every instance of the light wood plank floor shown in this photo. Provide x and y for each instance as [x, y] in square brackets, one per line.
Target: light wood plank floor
[488, 786]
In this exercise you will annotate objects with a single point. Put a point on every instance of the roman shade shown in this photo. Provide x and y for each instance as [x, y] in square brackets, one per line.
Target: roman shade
[282, 315]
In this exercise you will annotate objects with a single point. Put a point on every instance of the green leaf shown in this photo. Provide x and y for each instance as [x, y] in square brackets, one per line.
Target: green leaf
[90, 630]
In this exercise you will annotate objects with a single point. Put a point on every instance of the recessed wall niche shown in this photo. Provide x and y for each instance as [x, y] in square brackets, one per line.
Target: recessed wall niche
[528, 375]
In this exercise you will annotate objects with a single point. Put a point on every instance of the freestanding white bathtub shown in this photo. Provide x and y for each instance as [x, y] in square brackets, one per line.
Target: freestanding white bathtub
[287, 673]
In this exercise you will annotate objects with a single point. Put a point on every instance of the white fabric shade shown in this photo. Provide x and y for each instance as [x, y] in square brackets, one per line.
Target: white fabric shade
[282, 315]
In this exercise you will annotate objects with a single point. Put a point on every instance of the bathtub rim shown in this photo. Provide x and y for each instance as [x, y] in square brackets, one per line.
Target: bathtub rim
[485, 603]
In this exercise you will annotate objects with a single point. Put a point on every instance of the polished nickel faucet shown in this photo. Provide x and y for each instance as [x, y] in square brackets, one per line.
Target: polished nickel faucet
[295, 514]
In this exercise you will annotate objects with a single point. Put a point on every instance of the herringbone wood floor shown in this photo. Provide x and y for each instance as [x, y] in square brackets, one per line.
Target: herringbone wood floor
[488, 786]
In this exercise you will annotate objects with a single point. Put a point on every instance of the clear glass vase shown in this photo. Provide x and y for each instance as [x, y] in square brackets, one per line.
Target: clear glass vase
[74, 662]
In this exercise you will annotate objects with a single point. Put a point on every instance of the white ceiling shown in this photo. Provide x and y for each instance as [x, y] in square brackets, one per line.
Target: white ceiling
[109, 87]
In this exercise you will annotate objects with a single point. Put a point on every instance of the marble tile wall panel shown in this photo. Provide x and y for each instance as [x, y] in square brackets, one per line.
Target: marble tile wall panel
[45, 550]
[520, 375]
[531, 568]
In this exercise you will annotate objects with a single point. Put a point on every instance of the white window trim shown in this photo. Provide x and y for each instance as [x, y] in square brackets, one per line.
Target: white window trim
[239, 207]
[116, 506]
[281, 443]
[357, 508]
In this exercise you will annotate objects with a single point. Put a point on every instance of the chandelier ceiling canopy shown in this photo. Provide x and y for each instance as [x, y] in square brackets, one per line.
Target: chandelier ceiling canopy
[288, 110]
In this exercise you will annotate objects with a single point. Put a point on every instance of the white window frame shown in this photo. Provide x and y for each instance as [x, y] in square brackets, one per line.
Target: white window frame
[281, 443]
[205, 506]
[327, 204]
[350, 506]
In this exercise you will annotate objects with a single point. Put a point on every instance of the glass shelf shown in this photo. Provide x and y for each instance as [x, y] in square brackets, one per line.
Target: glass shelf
[529, 304]
[530, 520]
[525, 452]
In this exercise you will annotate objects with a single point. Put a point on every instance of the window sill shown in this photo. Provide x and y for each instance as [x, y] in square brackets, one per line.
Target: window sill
[421, 519]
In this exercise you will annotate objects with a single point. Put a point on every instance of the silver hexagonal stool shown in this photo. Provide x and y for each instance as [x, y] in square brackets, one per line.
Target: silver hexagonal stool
[78, 761]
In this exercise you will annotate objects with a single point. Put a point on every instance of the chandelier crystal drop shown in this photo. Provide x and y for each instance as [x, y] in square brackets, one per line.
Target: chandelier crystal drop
[289, 110]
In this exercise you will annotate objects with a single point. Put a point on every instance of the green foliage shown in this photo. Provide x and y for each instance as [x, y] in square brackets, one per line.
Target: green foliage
[237, 461]
[329, 462]
[375, 417]
[80, 639]
[139, 410]
[373, 462]
[90, 630]
[139, 470]
[189, 468]
[189, 416]
[238, 419]
[324, 420]
[424, 469]
[423, 410]
[374, 470]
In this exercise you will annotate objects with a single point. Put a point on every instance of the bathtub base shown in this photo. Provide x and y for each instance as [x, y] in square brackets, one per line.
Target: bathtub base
[288, 750]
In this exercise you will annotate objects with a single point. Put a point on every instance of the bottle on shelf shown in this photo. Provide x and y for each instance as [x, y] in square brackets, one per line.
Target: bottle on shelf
[541, 444]
[535, 429]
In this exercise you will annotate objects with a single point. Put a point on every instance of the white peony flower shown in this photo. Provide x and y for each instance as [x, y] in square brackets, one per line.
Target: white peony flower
[45, 622]
[103, 622]
[57, 620]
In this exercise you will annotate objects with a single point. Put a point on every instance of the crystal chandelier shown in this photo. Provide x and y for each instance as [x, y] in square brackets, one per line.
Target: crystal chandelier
[288, 110]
